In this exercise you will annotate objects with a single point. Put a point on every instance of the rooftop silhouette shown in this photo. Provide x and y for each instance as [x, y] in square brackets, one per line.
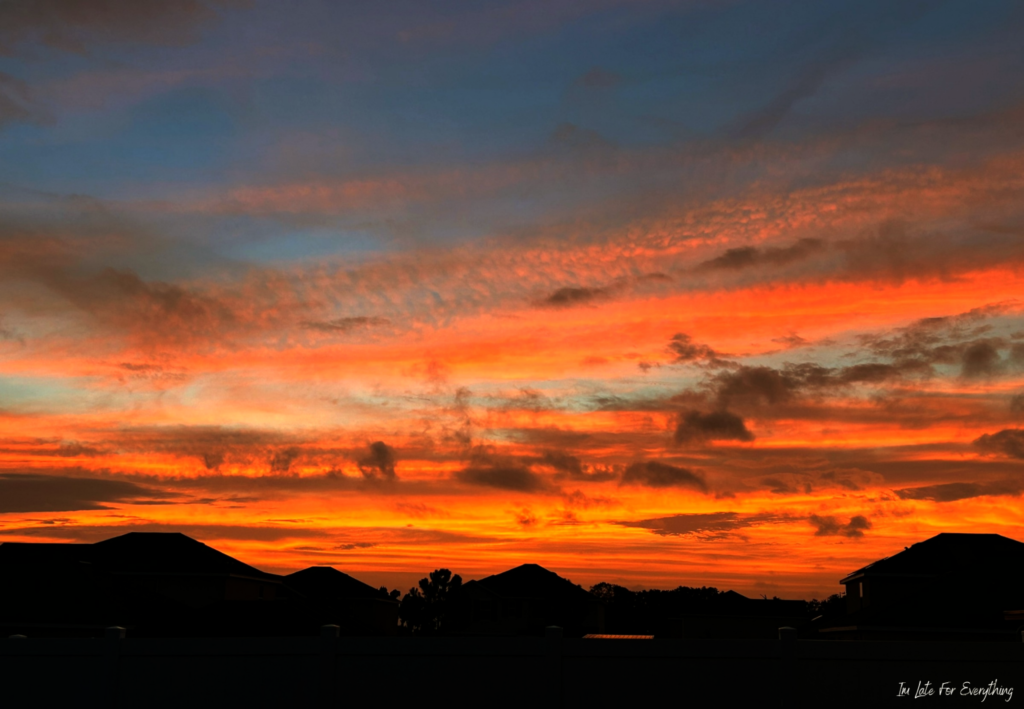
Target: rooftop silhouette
[955, 585]
[951, 585]
[168, 553]
[328, 582]
[933, 557]
[168, 583]
[532, 580]
[524, 600]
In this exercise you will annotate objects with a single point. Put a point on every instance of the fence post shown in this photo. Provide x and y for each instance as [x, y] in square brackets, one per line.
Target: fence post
[553, 659]
[787, 670]
[112, 640]
[329, 663]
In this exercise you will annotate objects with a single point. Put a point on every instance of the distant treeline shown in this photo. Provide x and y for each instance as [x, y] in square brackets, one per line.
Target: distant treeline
[423, 610]
[647, 612]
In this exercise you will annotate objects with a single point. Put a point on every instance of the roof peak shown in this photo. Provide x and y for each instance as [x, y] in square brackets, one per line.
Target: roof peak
[925, 558]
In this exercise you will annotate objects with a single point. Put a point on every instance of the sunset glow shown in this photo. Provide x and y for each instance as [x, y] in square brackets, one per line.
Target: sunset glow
[652, 293]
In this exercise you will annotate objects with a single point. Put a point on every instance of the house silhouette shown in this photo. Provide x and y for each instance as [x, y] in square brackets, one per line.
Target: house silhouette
[56, 590]
[952, 586]
[184, 569]
[359, 607]
[523, 601]
[164, 584]
[735, 616]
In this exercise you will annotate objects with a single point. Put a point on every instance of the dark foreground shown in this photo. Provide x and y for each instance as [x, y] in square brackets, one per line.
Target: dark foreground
[514, 672]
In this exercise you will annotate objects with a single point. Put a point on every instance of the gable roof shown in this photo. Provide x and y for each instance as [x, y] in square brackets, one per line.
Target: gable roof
[533, 581]
[168, 553]
[934, 557]
[326, 582]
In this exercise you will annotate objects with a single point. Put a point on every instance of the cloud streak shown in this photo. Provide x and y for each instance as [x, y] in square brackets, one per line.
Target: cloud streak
[33, 492]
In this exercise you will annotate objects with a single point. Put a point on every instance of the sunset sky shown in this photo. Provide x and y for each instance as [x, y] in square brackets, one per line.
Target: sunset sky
[653, 293]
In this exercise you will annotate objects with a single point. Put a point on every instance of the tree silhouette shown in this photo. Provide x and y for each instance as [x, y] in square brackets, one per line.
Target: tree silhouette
[423, 610]
[412, 611]
[832, 607]
[647, 612]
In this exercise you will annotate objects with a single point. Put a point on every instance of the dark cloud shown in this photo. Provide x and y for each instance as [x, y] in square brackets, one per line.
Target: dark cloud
[654, 277]
[750, 256]
[791, 340]
[259, 487]
[696, 427]
[213, 460]
[829, 526]
[32, 492]
[684, 349]
[578, 499]
[460, 430]
[715, 524]
[515, 478]
[753, 385]
[525, 517]
[75, 25]
[950, 492]
[805, 476]
[891, 252]
[894, 253]
[379, 462]
[980, 359]
[870, 373]
[152, 311]
[914, 352]
[1009, 442]
[281, 461]
[767, 386]
[779, 486]
[654, 474]
[76, 450]
[488, 470]
[349, 546]
[564, 463]
[1017, 403]
[212, 445]
[245, 488]
[849, 478]
[344, 325]
[132, 367]
[524, 398]
[568, 297]
[569, 467]
[923, 338]
[420, 510]
[566, 518]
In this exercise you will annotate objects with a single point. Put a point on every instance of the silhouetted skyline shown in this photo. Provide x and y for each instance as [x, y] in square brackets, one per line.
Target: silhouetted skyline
[167, 584]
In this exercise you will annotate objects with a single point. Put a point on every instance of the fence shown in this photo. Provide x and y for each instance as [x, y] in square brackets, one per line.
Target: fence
[553, 671]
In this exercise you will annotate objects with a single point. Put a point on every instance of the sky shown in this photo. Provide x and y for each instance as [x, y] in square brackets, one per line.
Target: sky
[653, 293]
